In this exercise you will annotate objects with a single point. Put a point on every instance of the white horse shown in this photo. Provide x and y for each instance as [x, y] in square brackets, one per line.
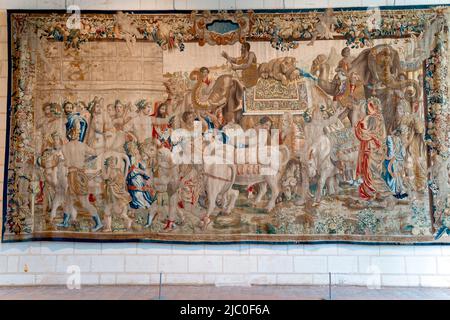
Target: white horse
[319, 165]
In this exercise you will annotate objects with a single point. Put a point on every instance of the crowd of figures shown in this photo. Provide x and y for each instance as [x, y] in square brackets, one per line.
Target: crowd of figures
[112, 159]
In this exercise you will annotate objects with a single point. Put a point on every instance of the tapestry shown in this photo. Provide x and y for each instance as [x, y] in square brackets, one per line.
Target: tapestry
[226, 126]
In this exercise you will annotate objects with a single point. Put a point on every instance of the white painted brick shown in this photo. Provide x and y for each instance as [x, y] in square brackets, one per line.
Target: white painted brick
[87, 248]
[3, 19]
[446, 250]
[157, 5]
[155, 278]
[3, 34]
[64, 261]
[172, 264]
[346, 3]
[275, 264]
[289, 4]
[3, 75]
[57, 247]
[240, 264]
[108, 5]
[375, 3]
[227, 4]
[188, 278]
[258, 249]
[51, 279]
[2, 121]
[108, 263]
[20, 248]
[349, 279]
[153, 248]
[263, 279]
[14, 248]
[51, 4]
[420, 265]
[178, 4]
[90, 279]
[18, 4]
[418, 2]
[306, 4]
[342, 264]
[34, 248]
[249, 4]
[3, 89]
[428, 250]
[188, 249]
[357, 250]
[310, 264]
[388, 265]
[399, 250]
[63, 279]
[443, 265]
[3, 264]
[118, 248]
[148, 4]
[435, 281]
[141, 264]
[214, 250]
[13, 264]
[3, 102]
[202, 5]
[273, 4]
[363, 264]
[38, 263]
[294, 279]
[295, 249]
[19, 279]
[400, 280]
[320, 249]
[205, 264]
[107, 278]
[320, 279]
[245, 248]
[223, 280]
[133, 279]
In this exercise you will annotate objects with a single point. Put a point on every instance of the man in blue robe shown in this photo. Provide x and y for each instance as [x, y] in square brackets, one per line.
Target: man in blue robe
[75, 119]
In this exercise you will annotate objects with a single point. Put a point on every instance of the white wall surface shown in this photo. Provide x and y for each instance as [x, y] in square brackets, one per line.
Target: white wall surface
[240, 265]
[39, 263]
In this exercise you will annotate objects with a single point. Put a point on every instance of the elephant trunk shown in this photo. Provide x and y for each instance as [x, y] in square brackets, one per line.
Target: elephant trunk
[410, 96]
[195, 94]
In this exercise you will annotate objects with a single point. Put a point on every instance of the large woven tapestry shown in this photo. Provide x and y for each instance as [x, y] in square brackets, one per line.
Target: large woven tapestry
[289, 126]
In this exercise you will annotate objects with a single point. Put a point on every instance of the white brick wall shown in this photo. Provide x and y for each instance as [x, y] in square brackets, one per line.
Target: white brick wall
[131, 263]
[203, 4]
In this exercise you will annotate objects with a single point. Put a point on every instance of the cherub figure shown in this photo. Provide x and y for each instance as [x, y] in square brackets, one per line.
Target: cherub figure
[324, 28]
[126, 29]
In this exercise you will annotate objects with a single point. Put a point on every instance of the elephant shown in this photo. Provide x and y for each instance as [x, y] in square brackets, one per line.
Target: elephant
[227, 93]
[380, 68]
[383, 76]
[376, 71]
